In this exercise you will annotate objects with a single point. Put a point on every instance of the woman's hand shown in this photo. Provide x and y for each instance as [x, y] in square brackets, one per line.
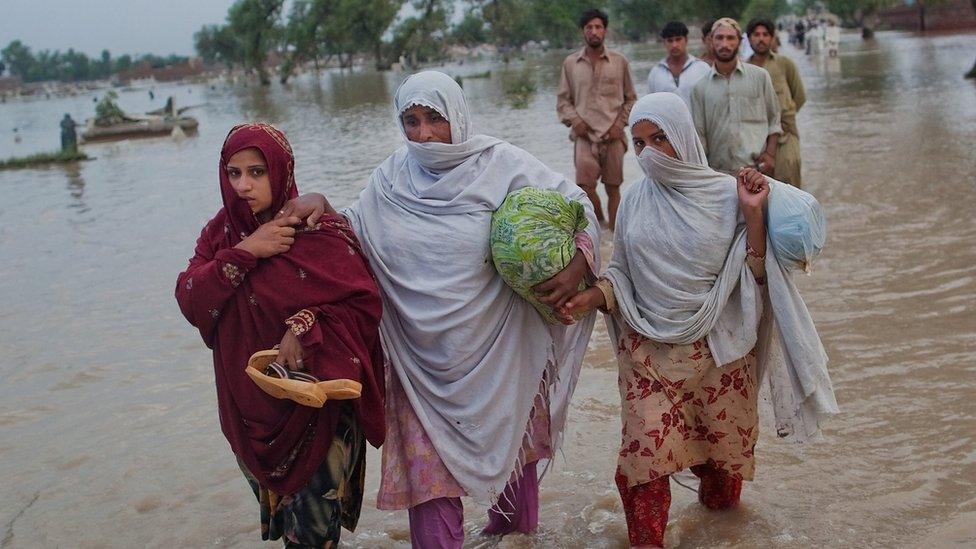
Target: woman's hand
[753, 190]
[290, 352]
[272, 238]
[583, 303]
[555, 291]
[309, 207]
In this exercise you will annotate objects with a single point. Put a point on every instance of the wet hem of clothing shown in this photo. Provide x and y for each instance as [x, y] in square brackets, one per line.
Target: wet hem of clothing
[631, 483]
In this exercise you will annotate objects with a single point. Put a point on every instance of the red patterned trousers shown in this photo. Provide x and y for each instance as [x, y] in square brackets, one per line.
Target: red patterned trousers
[646, 505]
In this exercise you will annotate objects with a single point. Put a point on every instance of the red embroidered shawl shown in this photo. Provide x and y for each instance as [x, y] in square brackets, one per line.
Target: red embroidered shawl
[240, 305]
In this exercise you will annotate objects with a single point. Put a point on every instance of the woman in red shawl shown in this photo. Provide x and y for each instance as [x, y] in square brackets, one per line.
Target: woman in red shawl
[253, 283]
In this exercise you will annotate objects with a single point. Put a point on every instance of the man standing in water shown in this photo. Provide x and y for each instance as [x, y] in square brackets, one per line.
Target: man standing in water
[678, 72]
[735, 108]
[789, 93]
[69, 136]
[595, 96]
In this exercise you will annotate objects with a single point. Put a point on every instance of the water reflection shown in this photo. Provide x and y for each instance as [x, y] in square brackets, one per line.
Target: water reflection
[351, 89]
[262, 102]
[76, 187]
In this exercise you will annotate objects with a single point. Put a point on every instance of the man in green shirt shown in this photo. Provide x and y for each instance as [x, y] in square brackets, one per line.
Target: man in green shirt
[735, 108]
[789, 92]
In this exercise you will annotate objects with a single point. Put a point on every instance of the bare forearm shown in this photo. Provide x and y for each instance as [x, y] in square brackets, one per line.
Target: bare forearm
[756, 230]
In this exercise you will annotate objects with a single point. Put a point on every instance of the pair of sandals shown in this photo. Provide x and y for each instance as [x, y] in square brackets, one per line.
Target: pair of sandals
[301, 387]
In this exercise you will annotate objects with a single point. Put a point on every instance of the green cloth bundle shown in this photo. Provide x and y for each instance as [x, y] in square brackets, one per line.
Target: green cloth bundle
[532, 239]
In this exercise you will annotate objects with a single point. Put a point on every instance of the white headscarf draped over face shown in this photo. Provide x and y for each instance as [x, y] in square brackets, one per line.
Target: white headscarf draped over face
[439, 92]
[468, 352]
[679, 273]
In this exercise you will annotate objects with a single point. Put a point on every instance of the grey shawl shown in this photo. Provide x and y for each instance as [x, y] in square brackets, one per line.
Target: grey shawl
[468, 351]
[679, 274]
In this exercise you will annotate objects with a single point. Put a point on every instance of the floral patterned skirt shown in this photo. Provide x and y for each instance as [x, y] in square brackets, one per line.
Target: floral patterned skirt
[679, 409]
[333, 498]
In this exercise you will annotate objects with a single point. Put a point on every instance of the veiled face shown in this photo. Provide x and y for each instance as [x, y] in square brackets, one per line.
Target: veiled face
[425, 125]
[647, 134]
[248, 175]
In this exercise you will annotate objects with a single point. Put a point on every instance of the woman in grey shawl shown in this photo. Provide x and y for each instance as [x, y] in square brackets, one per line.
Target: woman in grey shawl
[701, 318]
[479, 384]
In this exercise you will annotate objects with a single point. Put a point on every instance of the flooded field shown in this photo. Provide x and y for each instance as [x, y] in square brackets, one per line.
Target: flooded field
[108, 423]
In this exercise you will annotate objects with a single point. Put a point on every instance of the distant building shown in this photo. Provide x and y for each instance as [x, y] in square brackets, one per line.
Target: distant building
[910, 15]
[169, 73]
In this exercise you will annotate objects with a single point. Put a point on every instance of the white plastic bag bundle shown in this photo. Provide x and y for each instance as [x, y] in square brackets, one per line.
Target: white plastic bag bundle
[796, 226]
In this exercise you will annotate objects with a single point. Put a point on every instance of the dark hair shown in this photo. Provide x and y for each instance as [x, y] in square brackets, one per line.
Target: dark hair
[674, 28]
[707, 27]
[591, 14]
[760, 22]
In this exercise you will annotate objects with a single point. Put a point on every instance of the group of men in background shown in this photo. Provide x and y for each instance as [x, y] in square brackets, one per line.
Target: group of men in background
[744, 109]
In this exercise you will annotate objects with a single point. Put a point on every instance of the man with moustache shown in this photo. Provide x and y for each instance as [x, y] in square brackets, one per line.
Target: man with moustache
[735, 108]
[678, 72]
[789, 92]
[594, 99]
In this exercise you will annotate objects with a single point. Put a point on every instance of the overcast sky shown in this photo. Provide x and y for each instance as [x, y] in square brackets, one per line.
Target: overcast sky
[120, 26]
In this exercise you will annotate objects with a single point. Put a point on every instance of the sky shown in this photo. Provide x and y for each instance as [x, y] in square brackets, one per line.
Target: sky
[121, 26]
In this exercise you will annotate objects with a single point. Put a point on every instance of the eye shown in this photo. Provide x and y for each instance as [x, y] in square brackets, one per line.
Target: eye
[639, 143]
[233, 173]
[257, 172]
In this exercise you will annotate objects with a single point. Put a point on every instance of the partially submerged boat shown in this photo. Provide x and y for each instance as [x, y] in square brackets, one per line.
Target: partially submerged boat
[143, 127]
[113, 124]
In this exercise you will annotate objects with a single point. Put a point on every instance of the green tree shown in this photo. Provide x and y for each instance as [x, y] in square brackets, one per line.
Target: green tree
[770, 9]
[306, 33]
[255, 22]
[123, 63]
[102, 68]
[639, 19]
[558, 22]
[510, 23]
[421, 38]
[218, 44]
[19, 59]
[470, 31]
[74, 66]
[359, 25]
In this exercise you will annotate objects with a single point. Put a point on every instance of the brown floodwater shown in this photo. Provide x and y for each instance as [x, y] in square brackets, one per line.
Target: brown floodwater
[108, 424]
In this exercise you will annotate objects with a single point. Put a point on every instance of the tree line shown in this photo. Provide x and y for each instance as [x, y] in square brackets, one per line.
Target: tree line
[317, 32]
[72, 66]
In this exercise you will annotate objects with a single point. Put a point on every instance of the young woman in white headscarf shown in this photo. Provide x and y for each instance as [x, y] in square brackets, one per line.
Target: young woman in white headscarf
[479, 383]
[701, 316]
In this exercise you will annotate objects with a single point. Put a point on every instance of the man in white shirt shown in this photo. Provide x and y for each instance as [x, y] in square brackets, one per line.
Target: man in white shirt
[678, 72]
